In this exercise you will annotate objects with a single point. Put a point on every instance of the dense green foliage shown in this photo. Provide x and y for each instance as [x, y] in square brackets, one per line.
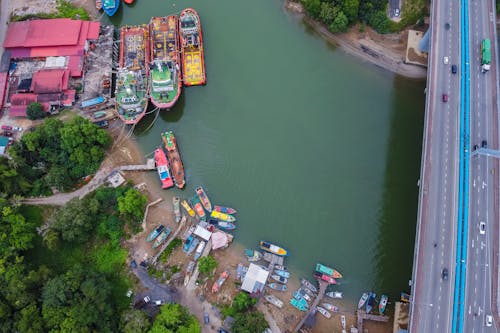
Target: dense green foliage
[241, 303]
[55, 154]
[65, 9]
[175, 318]
[35, 111]
[338, 15]
[175, 243]
[206, 265]
[249, 322]
[131, 206]
[135, 321]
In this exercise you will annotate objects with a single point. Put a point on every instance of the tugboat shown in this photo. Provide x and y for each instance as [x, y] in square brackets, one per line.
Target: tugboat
[193, 55]
[174, 157]
[162, 167]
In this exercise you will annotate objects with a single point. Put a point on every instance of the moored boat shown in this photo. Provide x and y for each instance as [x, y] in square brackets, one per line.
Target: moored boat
[225, 210]
[299, 304]
[330, 307]
[382, 304]
[285, 274]
[222, 216]
[188, 208]
[279, 279]
[187, 243]
[155, 233]
[110, 7]
[128, 2]
[370, 301]
[274, 300]
[162, 168]
[198, 208]
[165, 73]
[206, 201]
[174, 157]
[220, 281]
[199, 250]
[324, 312]
[253, 255]
[161, 238]
[334, 294]
[325, 277]
[177, 209]
[362, 300]
[277, 286]
[131, 78]
[405, 297]
[98, 4]
[280, 267]
[193, 54]
[192, 246]
[303, 294]
[272, 248]
[328, 271]
[226, 225]
[309, 285]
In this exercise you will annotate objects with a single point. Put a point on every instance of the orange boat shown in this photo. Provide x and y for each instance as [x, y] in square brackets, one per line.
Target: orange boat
[222, 278]
[174, 157]
[193, 55]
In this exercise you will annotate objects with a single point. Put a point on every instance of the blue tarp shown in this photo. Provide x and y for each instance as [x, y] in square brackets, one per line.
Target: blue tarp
[93, 101]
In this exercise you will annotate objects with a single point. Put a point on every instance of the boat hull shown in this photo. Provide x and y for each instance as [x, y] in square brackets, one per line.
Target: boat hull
[222, 216]
[205, 200]
[188, 208]
[193, 54]
[174, 157]
[274, 249]
[155, 233]
[163, 169]
[110, 7]
[225, 210]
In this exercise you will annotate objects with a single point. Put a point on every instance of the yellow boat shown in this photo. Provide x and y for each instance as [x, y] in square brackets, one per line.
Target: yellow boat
[193, 56]
[222, 216]
[188, 208]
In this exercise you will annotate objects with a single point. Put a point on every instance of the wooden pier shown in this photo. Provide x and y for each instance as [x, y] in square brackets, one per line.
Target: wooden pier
[362, 316]
[150, 165]
[322, 288]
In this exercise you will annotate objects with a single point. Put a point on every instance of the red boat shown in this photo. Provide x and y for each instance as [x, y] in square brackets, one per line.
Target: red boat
[163, 169]
[325, 277]
[128, 2]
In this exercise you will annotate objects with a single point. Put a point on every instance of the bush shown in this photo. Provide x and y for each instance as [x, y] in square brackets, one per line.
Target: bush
[170, 248]
[35, 111]
[206, 265]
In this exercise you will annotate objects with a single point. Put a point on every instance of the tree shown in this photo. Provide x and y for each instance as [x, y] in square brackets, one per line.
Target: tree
[243, 302]
[75, 220]
[249, 322]
[175, 318]
[35, 111]
[132, 204]
[313, 7]
[340, 23]
[351, 9]
[328, 12]
[379, 21]
[206, 264]
[135, 321]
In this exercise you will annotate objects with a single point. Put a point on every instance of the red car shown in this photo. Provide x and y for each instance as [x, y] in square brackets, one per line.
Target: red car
[445, 98]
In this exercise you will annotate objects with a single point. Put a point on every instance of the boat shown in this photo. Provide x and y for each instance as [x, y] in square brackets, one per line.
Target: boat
[222, 278]
[192, 246]
[161, 238]
[155, 233]
[274, 300]
[225, 210]
[382, 304]
[253, 255]
[198, 208]
[303, 294]
[299, 304]
[309, 285]
[187, 243]
[280, 267]
[308, 291]
[334, 294]
[98, 4]
[328, 271]
[162, 168]
[174, 157]
[206, 201]
[277, 286]
[330, 307]
[369, 303]
[362, 300]
[110, 7]
[298, 295]
[279, 279]
[274, 249]
[131, 78]
[226, 225]
[324, 312]
[285, 274]
[193, 54]
[99, 114]
[342, 321]
[177, 209]
[128, 2]
[199, 250]
[188, 208]
[222, 216]
[325, 277]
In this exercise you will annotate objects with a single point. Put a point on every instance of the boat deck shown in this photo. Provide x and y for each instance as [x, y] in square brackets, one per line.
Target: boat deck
[134, 48]
[193, 66]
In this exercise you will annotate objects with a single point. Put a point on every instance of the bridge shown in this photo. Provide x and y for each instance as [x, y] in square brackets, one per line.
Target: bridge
[455, 271]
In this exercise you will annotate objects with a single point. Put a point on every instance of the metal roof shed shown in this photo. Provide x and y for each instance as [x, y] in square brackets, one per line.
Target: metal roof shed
[202, 232]
[255, 279]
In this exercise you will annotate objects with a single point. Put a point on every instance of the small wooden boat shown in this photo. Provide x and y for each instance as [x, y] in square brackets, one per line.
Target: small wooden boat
[205, 200]
[324, 312]
[161, 238]
[253, 255]
[226, 225]
[342, 321]
[222, 216]
[405, 297]
[198, 208]
[328, 271]
[280, 267]
[330, 307]
[309, 285]
[285, 274]
[299, 304]
[199, 250]
[192, 246]
[99, 114]
[325, 278]
[155, 233]
[279, 279]
[301, 293]
[362, 300]
[222, 278]
[128, 2]
[334, 294]
[370, 302]
[188, 208]
[308, 291]
[275, 249]
[274, 300]
[98, 4]
[382, 304]
[225, 210]
[277, 286]
[298, 295]
[177, 209]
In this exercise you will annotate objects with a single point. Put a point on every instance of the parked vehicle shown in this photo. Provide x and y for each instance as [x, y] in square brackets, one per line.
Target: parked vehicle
[485, 55]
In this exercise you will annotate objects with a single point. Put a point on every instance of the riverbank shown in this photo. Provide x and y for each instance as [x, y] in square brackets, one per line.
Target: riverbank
[385, 51]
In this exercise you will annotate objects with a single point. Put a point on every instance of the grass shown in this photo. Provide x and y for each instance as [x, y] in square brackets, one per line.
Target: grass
[65, 9]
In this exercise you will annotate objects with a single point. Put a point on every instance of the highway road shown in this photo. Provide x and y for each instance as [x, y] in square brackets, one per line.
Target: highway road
[432, 300]
[480, 291]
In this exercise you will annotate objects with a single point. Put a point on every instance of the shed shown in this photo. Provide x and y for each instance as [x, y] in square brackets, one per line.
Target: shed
[255, 279]
[115, 179]
[203, 233]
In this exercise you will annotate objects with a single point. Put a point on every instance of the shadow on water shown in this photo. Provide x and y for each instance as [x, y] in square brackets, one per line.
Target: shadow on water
[397, 218]
[175, 114]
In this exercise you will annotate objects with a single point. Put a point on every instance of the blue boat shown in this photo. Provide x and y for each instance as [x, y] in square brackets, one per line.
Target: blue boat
[370, 302]
[187, 244]
[281, 273]
[110, 7]
[299, 304]
[193, 246]
[155, 233]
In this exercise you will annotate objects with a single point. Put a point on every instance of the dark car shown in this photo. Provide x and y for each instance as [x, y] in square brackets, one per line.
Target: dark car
[445, 98]
[475, 147]
[206, 319]
[484, 144]
[444, 274]
[221, 330]
[454, 69]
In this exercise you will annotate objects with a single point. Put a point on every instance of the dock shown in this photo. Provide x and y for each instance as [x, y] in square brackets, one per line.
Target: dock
[362, 316]
[150, 165]
[321, 293]
[273, 259]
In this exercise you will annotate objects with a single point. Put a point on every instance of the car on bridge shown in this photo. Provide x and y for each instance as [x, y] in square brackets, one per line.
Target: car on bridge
[446, 60]
[444, 274]
[489, 320]
[445, 98]
[482, 228]
[454, 69]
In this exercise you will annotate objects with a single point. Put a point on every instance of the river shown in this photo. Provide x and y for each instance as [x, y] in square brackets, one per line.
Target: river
[318, 151]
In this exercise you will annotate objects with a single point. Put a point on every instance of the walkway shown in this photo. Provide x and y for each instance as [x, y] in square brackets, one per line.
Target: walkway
[322, 288]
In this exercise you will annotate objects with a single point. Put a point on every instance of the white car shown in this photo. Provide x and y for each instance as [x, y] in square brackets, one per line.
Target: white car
[446, 60]
[489, 320]
[396, 12]
[482, 228]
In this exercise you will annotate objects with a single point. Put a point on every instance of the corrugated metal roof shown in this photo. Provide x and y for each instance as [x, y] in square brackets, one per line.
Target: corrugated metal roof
[43, 33]
[255, 277]
[50, 81]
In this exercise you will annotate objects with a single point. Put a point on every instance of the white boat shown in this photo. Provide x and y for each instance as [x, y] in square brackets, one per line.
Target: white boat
[323, 311]
[330, 307]
[334, 294]
[274, 300]
[279, 279]
[199, 250]
[362, 300]
[342, 321]
[308, 285]
[177, 209]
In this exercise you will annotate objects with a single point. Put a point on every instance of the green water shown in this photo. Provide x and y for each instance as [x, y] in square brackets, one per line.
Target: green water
[318, 151]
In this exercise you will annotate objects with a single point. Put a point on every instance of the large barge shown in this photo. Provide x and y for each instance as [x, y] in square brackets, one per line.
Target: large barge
[193, 56]
[174, 157]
